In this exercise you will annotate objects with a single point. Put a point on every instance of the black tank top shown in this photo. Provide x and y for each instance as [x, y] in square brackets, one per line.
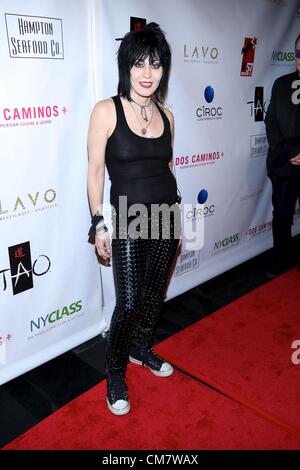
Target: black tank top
[138, 166]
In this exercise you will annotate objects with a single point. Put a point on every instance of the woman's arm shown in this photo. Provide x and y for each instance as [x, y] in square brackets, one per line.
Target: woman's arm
[97, 139]
[170, 116]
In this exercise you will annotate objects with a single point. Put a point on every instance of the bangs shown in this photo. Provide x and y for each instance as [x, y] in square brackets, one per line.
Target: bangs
[143, 47]
[142, 55]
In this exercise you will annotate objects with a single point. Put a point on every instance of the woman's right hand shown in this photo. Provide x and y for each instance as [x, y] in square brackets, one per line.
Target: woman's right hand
[102, 242]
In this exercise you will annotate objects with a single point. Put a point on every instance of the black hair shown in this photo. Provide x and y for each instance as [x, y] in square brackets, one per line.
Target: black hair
[137, 45]
[297, 39]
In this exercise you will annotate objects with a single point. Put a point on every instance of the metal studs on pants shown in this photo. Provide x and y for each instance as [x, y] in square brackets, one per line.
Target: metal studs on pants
[141, 270]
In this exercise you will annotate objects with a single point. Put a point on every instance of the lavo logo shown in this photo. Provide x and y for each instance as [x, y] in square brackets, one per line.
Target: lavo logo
[22, 269]
[20, 203]
[205, 52]
[55, 316]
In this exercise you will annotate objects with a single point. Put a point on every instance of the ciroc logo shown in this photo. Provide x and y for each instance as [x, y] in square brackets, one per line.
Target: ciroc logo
[205, 113]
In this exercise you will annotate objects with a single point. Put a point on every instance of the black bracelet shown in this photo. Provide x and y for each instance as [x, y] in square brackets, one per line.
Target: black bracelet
[95, 220]
[178, 197]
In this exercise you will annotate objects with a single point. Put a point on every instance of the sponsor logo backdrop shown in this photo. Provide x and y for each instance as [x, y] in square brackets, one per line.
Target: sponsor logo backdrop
[222, 73]
[50, 297]
[56, 61]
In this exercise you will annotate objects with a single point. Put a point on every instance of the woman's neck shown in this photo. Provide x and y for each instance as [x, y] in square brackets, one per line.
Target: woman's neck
[141, 100]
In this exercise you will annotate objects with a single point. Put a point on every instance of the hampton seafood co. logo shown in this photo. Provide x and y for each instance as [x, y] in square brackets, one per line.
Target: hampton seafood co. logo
[34, 37]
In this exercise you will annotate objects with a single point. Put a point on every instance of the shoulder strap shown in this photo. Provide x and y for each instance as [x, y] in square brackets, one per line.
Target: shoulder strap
[119, 109]
[164, 116]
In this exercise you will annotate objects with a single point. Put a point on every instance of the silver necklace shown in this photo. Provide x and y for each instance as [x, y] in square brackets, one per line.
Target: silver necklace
[144, 115]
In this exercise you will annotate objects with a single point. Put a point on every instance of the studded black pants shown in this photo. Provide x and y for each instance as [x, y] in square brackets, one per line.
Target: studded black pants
[141, 270]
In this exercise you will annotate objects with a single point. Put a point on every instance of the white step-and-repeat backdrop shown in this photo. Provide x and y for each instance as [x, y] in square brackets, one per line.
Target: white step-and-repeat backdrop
[57, 58]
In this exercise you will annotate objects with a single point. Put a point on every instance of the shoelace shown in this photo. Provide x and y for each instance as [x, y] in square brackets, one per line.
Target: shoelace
[149, 358]
[117, 389]
[155, 359]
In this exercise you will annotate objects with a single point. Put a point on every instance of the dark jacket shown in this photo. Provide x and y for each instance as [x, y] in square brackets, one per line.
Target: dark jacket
[284, 143]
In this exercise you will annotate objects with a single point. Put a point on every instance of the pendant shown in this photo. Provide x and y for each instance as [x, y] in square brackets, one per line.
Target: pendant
[144, 131]
[144, 114]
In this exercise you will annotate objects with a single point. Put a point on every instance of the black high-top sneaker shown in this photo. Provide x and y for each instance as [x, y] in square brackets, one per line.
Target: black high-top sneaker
[117, 395]
[149, 358]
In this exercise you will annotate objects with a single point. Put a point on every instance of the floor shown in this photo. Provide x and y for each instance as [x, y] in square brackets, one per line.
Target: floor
[33, 396]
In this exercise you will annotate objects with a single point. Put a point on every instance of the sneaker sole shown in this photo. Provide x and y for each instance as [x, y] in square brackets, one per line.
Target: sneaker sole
[164, 373]
[117, 412]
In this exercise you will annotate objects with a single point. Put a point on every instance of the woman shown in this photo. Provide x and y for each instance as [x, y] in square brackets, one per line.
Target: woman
[133, 135]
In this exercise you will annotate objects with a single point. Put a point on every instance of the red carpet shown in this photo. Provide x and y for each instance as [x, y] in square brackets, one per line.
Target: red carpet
[167, 413]
[244, 350]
